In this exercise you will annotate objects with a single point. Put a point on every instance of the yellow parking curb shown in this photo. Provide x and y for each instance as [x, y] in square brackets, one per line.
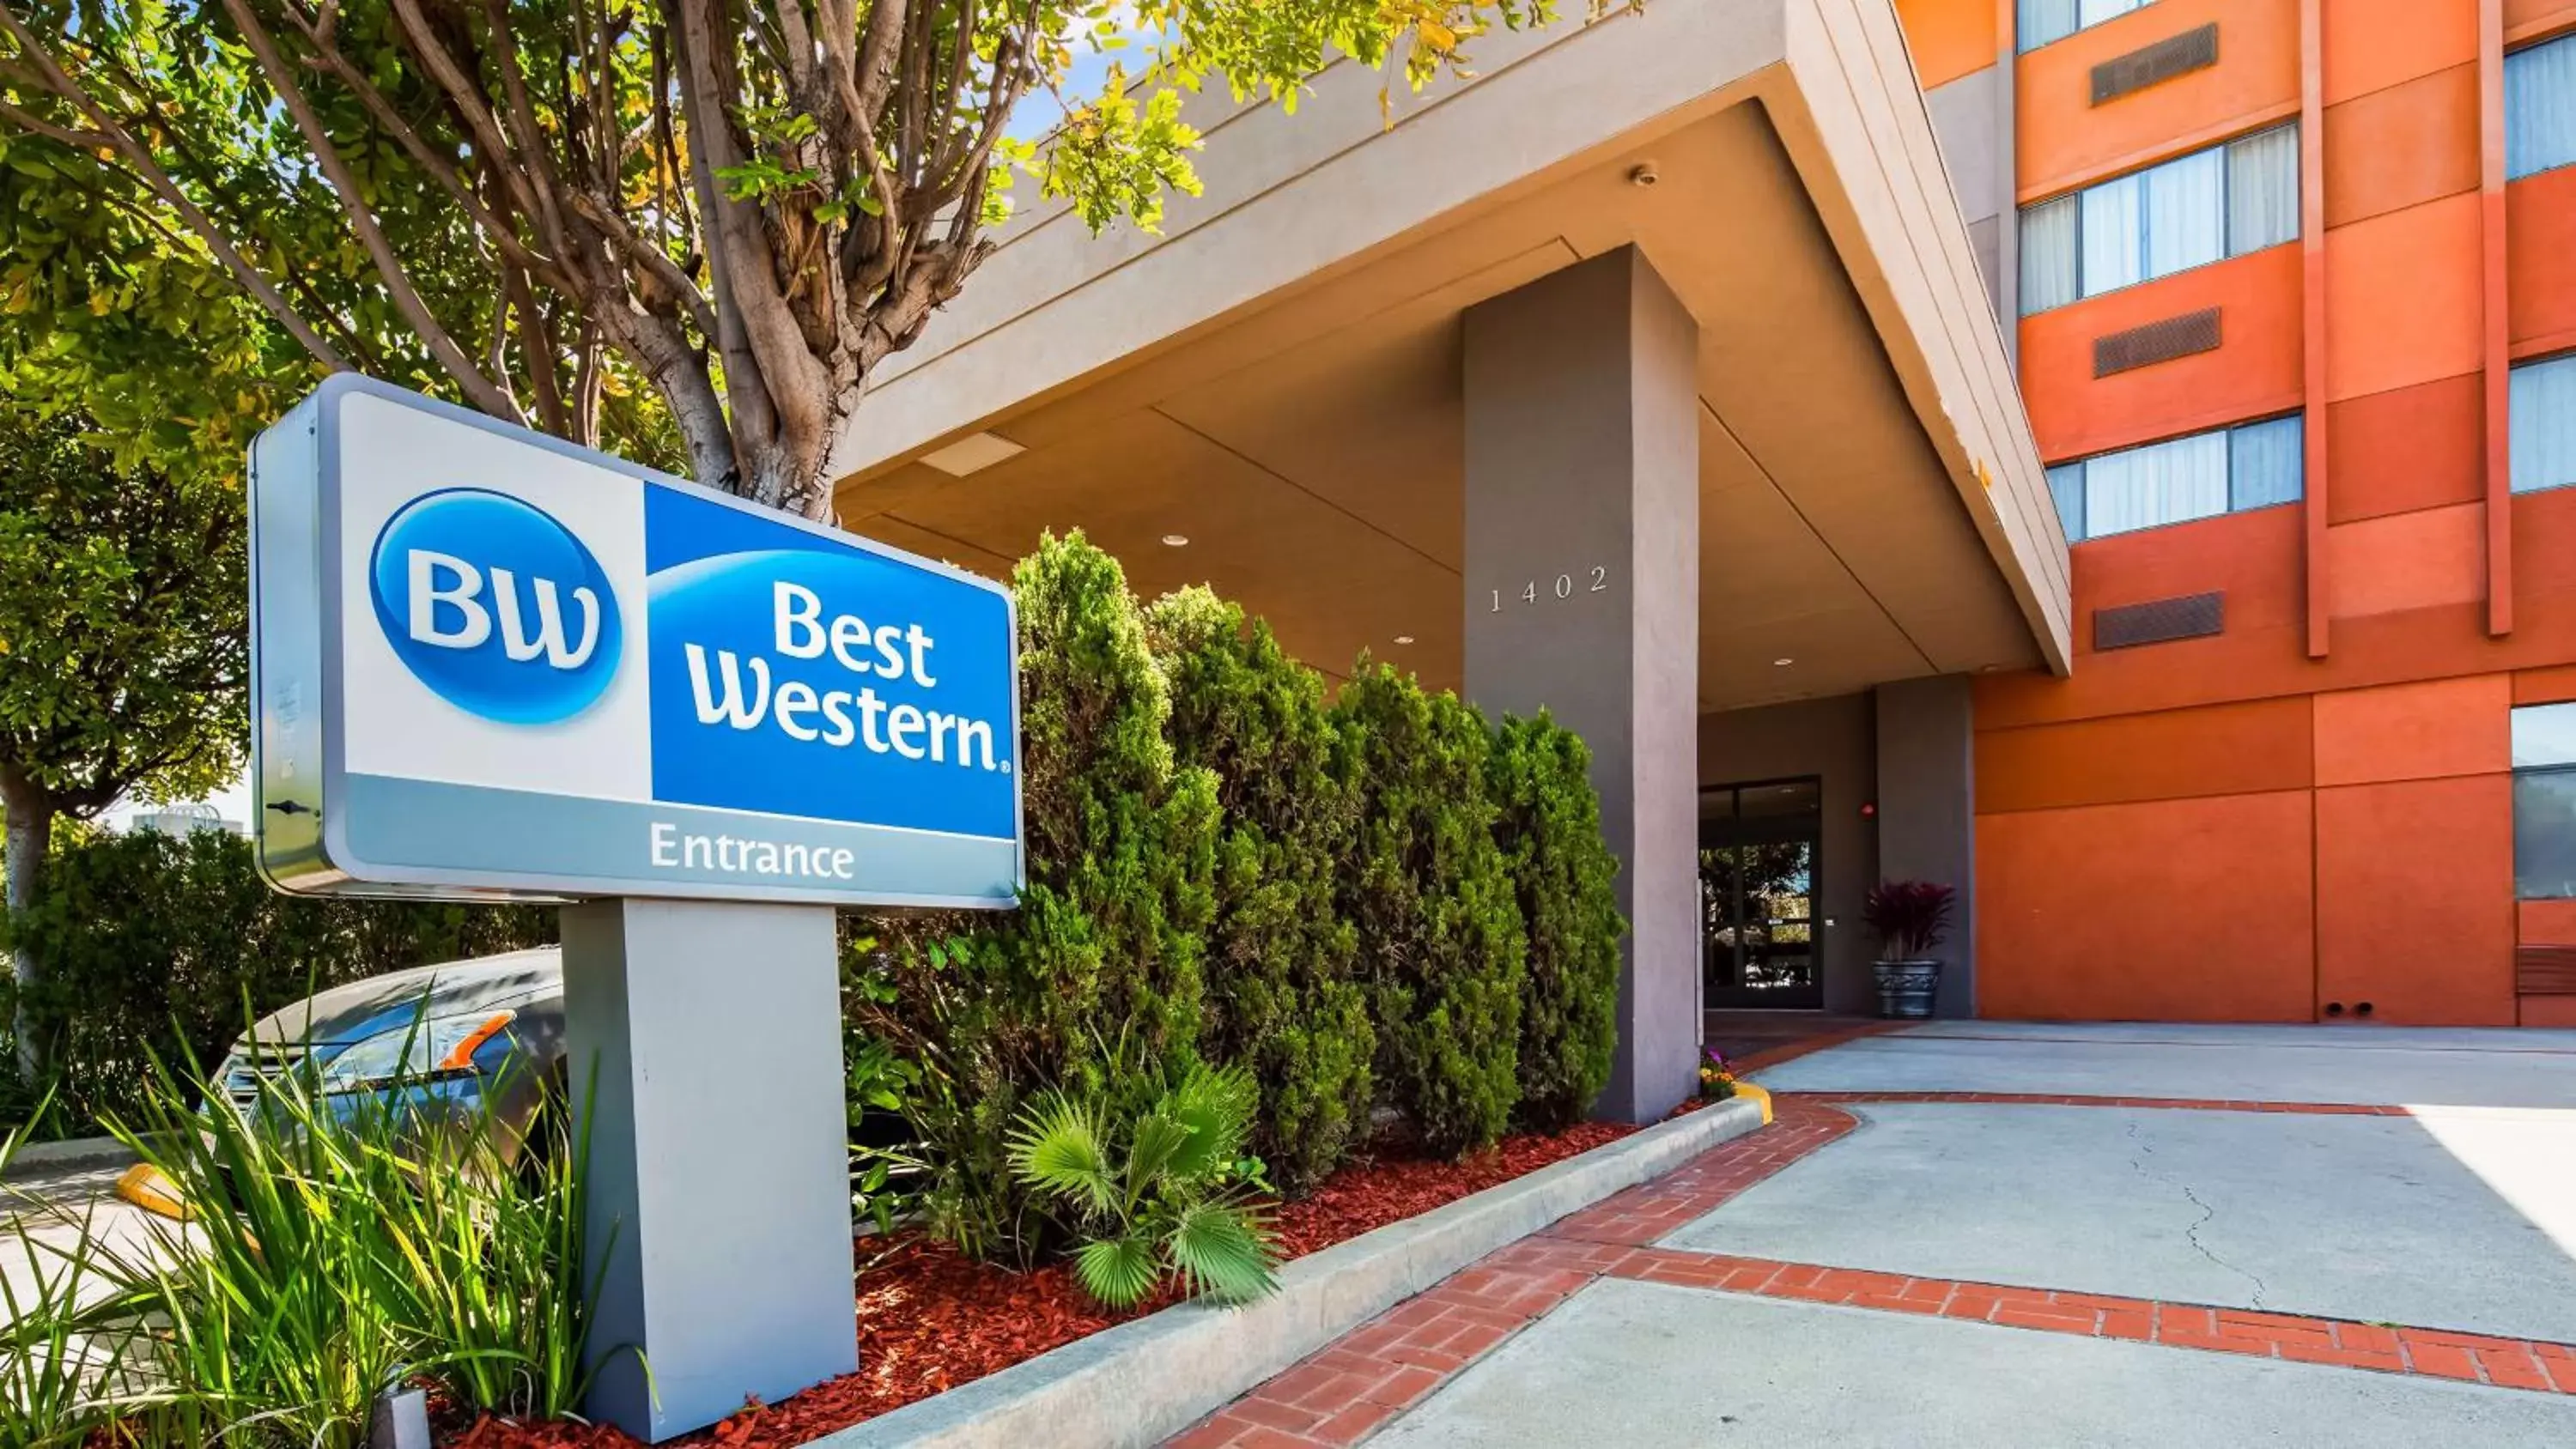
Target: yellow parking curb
[1757, 1094]
[144, 1186]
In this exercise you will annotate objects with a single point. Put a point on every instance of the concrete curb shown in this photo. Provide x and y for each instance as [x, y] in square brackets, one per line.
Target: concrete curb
[43, 1159]
[1142, 1382]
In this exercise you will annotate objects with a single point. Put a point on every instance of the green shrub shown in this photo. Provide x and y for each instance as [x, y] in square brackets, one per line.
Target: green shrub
[1159, 1193]
[1548, 824]
[1281, 1000]
[156, 945]
[1093, 984]
[1425, 887]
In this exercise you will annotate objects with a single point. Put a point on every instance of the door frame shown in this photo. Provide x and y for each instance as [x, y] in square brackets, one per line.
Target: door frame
[1712, 998]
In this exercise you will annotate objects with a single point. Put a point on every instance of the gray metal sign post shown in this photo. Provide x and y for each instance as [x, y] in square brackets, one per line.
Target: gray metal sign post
[489, 665]
[719, 1212]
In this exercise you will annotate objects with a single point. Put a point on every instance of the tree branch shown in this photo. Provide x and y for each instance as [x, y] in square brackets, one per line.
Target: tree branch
[441, 169]
[480, 390]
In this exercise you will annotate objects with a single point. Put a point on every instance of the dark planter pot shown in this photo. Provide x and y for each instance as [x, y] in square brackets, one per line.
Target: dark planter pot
[1906, 989]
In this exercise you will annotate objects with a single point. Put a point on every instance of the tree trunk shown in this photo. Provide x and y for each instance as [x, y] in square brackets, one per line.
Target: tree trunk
[30, 830]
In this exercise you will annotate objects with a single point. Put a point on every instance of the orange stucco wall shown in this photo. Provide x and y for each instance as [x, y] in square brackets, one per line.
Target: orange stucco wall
[2540, 243]
[2069, 924]
[2065, 140]
[1948, 39]
[2407, 448]
[2524, 19]
[2311, 810]
[2402, 145]
[2254, 371]
[2373, 44]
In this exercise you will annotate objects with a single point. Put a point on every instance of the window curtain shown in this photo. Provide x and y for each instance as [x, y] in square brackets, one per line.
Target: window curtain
[2544, 735]
[2148, 487]
[2066, 485]
[2160, 221]
[2115, 225]
[2266, 463]
[2186, 220]
[2093, 12]
[2263, 190]
[2049, 276]
[2543, 431]
[2540, 108]
[2043, 21]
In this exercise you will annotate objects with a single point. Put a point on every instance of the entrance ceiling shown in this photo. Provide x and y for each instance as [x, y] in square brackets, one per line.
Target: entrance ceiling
[1309, 448]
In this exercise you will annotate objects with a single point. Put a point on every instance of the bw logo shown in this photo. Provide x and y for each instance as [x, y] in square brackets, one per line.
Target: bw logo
[495, 606]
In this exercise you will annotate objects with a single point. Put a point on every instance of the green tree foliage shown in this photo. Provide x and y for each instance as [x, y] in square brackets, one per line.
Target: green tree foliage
[1425, 886]
[157, 945]
[1281, 998]
[744, 208]
[115, 317]
[1548, 824]
[123, 660]
[1093, 985]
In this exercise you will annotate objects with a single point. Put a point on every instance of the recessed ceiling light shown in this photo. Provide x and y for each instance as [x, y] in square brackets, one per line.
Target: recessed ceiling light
[972, 453]
[1782, 663]
[1176, 540]
[1403, 638]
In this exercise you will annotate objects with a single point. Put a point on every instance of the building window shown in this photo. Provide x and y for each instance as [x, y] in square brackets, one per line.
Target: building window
[2191, 211]
[2201, 476]
[2543, 404]
[2044, 22]
[2544, 802]
[2540, 108]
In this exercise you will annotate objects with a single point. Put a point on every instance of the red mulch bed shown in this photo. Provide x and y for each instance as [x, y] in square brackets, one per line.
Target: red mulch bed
[930, 1320]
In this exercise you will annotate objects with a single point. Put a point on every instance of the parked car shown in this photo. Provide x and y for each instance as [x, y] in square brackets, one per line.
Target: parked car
[459, 1036]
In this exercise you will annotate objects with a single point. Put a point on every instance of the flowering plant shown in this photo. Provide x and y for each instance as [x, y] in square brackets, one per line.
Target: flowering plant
[1716, 1078]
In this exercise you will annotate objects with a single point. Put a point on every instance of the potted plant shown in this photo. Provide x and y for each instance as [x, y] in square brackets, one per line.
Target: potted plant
[1909, 917]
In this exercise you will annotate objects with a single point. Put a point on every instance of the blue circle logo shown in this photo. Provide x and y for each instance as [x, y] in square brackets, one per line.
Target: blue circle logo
[495, 606]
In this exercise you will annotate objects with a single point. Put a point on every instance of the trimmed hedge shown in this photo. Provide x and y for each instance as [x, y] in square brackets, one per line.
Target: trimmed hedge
[170, 945]
[1440, 935]
[1281, 1000]
[1547, 823]
[1093, 985]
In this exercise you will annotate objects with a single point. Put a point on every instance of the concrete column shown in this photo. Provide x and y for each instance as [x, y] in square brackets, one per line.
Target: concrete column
[1582, 582]
[705, 1047]
[1927, 823]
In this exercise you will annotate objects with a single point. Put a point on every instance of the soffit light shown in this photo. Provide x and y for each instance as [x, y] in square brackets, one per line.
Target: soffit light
[972, 453]
[1782, 663]
[1176, 540]
[1403, 638]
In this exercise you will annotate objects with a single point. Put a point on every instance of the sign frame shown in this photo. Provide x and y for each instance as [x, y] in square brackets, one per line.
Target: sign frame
[300, 780]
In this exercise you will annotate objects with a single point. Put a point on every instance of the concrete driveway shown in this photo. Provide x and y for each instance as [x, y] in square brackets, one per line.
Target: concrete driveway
[2032, 1237]
[48, 1214]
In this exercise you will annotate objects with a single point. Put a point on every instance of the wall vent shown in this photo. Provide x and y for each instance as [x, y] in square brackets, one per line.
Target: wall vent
[2122, 75]
[2545, 970]
[2159, 621]
[2155, 342]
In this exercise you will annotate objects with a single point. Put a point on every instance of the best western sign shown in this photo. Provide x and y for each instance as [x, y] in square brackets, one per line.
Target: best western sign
[491, 663]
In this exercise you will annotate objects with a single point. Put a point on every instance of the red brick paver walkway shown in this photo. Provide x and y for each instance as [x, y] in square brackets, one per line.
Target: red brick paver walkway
[1345, 1393]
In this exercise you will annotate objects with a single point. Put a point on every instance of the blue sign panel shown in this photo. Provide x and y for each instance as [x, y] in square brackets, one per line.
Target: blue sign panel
[490, 663]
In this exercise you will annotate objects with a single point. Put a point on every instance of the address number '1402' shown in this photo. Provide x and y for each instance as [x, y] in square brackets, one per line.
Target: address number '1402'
[1563, 586]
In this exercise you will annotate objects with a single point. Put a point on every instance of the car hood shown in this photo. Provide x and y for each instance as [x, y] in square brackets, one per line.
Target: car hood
[361, 1009]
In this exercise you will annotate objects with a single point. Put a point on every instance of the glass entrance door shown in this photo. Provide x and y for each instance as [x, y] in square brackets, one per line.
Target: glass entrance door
[1758, 868]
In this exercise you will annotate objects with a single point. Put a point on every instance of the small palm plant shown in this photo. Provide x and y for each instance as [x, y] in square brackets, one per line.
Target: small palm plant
[1167, 1194]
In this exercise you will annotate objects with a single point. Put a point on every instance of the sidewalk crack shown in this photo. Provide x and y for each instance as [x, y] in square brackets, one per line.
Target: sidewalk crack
[2191, 1234]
